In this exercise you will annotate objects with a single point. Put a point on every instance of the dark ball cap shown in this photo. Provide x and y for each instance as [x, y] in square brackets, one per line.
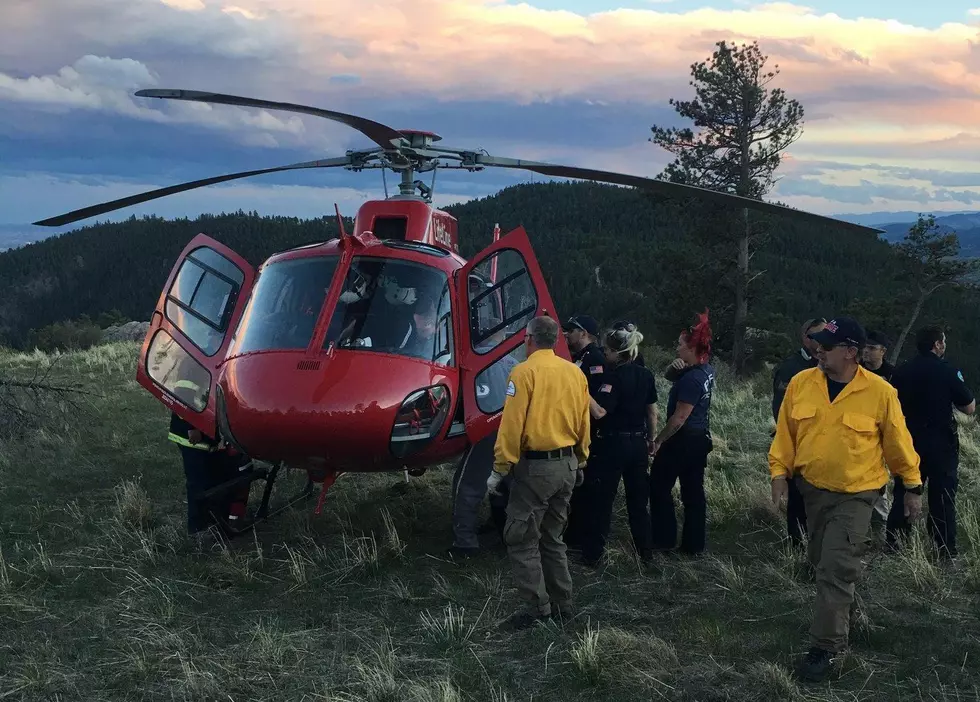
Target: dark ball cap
[878, 338]
[842, 330]
[582, 321]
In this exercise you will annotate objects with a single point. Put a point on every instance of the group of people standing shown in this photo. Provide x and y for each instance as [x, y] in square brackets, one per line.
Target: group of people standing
[846, 421]
[570, 432]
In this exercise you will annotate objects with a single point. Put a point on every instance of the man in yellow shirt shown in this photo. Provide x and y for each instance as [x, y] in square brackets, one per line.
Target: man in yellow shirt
[838, 427]
[544, 440]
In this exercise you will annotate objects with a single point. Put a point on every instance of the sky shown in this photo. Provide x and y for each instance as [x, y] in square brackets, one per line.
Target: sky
[891, 94]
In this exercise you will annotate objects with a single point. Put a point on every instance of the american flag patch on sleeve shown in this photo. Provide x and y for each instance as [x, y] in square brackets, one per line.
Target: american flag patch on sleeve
[595, 369]
[605, 388]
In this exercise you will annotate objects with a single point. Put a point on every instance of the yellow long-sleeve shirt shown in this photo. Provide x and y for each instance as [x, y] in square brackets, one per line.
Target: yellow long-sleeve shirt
[843, 445]
[546, 408]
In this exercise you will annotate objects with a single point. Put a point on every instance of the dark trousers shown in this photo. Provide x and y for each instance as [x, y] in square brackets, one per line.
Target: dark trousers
[469, 488]
[795, 513]
[938, 469]
[683, 457]
[578, 509]
[204, 470]
[613, 458]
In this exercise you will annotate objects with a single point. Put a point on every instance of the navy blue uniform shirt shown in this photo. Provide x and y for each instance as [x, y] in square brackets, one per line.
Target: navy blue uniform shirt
[928, 387]
[625, 394]
[593, 363]
[694, 386]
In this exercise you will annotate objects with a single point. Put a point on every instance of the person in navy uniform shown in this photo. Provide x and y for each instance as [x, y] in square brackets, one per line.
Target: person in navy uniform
[928, 388]
[681, 448]
[873, 355]
[625, 427]
[803, 359]
[581, 334]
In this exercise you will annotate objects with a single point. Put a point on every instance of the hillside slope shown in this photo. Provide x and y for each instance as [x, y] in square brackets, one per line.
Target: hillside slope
[102, 597]
[609, 251]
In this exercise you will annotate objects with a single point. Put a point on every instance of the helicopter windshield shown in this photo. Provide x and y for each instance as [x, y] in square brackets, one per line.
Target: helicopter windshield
[394, 306]
[285, 305]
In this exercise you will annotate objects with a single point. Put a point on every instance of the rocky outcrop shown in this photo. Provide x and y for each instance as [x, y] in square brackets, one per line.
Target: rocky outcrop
[130, 331]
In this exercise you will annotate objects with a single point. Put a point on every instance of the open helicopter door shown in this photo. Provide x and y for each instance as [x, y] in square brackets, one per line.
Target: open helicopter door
[501, 289]
[192, 327]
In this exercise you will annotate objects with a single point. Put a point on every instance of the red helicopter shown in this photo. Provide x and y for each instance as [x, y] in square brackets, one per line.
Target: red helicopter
[379, 350]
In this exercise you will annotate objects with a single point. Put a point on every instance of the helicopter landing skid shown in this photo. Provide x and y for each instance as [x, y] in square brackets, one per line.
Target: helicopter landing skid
[263, 513]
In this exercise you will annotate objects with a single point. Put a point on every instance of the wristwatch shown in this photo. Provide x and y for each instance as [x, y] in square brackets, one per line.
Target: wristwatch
[917, 490]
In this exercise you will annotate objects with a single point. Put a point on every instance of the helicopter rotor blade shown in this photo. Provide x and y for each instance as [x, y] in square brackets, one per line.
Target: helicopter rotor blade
[668, 189]
[92, 211]
[381, 134]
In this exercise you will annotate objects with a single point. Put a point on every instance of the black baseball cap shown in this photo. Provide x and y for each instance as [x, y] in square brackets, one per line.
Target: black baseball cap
[842, 330]
[582, 321]
[878, 338]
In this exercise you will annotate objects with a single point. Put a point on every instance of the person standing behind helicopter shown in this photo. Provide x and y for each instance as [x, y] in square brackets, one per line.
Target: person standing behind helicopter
[681, 448]
[581, 334]
[626, 424]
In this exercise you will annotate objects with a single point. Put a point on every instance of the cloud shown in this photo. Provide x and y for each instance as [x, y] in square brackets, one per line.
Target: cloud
[579, 88]
[107, 84]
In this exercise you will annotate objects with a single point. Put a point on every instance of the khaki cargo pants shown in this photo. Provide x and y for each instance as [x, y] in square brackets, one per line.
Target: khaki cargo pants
[837, 529]
[537, 511]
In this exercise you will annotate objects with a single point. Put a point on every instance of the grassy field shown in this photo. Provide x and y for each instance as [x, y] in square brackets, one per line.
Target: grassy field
[102, 597]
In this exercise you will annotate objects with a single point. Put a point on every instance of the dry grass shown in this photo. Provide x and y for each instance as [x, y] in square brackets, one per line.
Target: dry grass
[103, 597]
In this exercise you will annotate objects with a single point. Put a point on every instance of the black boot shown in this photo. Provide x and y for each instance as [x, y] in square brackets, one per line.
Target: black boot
[815, 665]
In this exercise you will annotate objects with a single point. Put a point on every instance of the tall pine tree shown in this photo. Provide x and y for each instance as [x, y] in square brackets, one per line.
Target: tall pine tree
[743, 128]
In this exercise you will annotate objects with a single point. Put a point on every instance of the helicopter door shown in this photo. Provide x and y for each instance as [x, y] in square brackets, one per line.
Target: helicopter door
[501, 289]
[191, 329]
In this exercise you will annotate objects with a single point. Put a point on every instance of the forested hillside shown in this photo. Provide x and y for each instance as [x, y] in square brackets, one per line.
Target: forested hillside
[608, 251]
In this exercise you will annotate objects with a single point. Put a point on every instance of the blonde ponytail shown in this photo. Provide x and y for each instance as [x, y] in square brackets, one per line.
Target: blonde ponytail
[624, 341]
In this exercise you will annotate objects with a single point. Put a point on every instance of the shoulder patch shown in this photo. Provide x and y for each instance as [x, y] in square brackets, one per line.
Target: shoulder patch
[511, 388]
[605, 388]
[595, 369]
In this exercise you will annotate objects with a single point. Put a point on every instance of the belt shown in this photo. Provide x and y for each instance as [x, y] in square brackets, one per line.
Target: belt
[626, 434]
[545, 455]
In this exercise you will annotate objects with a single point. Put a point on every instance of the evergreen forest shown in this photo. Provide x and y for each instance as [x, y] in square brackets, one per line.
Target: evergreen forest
[608, 251]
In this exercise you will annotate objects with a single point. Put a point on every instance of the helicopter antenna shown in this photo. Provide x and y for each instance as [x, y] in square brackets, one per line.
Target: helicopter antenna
[384, 179]
[340, 221]
[432, 187]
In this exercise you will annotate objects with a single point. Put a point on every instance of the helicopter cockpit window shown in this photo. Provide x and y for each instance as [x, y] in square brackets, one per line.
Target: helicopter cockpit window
[502, 300]
[394, 306]
[201, 297]
[285, 305]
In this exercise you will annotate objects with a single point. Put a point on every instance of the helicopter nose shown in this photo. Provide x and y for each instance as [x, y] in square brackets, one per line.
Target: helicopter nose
[342, 409]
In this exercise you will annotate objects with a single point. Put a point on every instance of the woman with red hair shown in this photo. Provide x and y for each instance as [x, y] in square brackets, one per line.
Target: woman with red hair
[681, 448]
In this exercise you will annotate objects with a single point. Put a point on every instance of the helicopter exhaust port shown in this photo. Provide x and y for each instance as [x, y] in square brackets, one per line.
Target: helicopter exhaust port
[419, 420]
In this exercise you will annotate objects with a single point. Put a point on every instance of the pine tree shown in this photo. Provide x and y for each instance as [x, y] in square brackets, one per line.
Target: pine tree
[931, 261]
[743, 128]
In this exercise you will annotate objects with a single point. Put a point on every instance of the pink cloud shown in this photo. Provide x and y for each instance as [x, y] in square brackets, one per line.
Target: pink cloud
[855, 77]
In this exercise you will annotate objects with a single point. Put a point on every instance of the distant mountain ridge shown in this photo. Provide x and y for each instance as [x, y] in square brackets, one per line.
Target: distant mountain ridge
[896, 225]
